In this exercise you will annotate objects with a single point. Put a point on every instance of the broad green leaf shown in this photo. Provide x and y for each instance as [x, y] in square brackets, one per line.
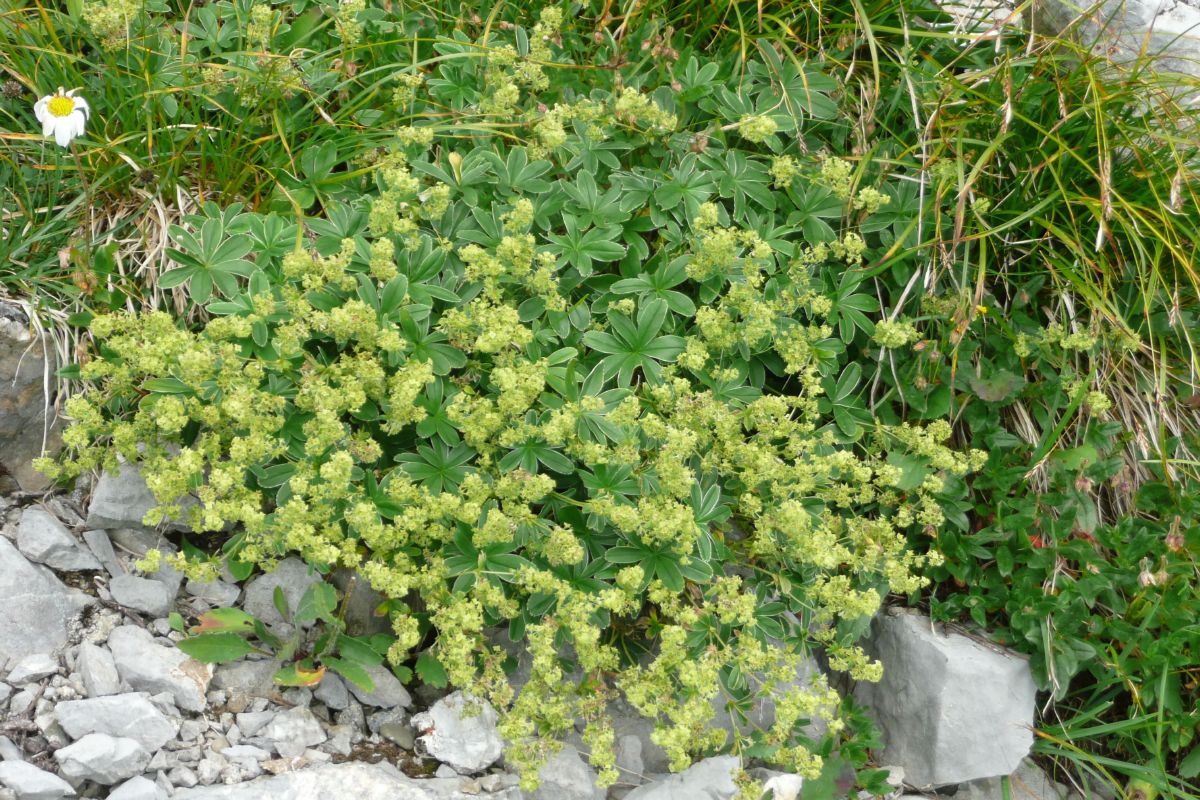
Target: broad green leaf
[216, 648]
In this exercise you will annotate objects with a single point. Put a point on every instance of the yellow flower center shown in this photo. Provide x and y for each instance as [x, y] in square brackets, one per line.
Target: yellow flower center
[61, 106]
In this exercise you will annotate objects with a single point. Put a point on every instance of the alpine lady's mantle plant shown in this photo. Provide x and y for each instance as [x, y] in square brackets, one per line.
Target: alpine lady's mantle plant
[573, 380]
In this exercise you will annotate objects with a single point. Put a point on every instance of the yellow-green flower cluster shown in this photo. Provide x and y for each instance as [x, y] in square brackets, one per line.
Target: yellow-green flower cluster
[436, 402]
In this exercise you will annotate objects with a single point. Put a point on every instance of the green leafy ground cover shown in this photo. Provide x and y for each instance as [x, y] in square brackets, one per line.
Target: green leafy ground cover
[990, 233]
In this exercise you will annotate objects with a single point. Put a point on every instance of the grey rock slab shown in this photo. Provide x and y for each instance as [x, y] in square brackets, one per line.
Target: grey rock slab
[32, 668]
[359, 601]
[122, 499]
[952, 709]
[628, 752]
[292, 576]
[216, 593]
[389, 692]
[97, 670]
[141, 594]
[148, 666]
[1163, 34]
[567, 777]
[252, 678]
[710, 779]
[28, 782]
[332, 692]
[349, 780]
[27, 385]
[38, 608]
[461, 732]
[42, 538]
[138, 788]
[129, 715]
[101, 758]
[1027, 782]
[251, 722]
[293, 731]
[101, 546]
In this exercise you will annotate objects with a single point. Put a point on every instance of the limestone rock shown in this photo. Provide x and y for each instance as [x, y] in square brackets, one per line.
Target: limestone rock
[388, 691]
[293, 731]
[32, 668]
[147, 666]
[1027, 782]
[138, 788]
[97, 670]
[567, 776]
[349, 780]
[467, 743]
[1165, 31]
[952, 709]
[129, 715]
[27, 389]
[291, 575]
[42, 538]
[710, 779]
[101, 758]
[122, 499]
[38, 608]
[141, 594]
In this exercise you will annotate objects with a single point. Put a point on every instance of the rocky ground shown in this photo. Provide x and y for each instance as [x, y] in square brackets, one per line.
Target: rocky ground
[96, 701]
[99, 703]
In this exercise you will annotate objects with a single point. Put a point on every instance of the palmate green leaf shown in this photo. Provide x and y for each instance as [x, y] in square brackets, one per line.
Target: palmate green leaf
[431, 672]
[318, 602]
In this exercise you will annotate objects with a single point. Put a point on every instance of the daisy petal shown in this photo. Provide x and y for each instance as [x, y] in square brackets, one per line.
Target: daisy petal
[39, 109]
[48, 125]
[62, 133]
[81, 105]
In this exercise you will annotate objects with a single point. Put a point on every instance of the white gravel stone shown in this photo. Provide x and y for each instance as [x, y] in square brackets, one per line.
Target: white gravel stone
[148, 666]
[30, 783]
[130, 715]
[42, 538]
[32, 668]
[97, 670]
[141, 594]
[138, 788]
[467, 743]
[353, 781]
[293, 731]
[182, 776]
[251, 722]
[102, 758]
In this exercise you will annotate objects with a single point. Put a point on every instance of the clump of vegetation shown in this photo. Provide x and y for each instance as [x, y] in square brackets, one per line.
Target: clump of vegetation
[582, 386]
[634, 294]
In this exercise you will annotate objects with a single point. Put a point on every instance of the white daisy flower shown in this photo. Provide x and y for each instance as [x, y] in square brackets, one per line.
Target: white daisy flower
[62, 115]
